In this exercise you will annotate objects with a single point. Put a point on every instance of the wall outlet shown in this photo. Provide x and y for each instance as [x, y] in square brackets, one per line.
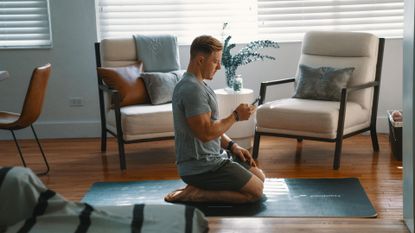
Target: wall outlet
[76, 102]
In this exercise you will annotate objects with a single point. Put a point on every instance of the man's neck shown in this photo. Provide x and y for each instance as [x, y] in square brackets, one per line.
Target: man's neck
[195, 71]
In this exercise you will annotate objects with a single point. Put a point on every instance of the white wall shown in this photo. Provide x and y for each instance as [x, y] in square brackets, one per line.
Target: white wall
[73, 75]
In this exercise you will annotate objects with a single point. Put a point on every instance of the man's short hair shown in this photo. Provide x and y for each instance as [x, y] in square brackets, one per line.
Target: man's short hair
[205, 44]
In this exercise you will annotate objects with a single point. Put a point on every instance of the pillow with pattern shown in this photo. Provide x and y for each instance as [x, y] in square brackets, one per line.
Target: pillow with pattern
[323, 83]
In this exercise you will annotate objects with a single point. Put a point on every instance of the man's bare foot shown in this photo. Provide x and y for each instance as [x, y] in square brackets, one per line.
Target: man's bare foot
[181, 195]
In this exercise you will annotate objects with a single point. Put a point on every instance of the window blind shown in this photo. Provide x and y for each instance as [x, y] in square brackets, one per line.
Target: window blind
[184, 18]
[25, 24]
[288, 20]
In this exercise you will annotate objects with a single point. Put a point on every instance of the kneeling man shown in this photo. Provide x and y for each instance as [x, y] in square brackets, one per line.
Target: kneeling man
[214, 168]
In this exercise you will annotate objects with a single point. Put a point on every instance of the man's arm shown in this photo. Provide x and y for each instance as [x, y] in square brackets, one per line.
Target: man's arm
[242, 153]
[205, 129]
[224, 141]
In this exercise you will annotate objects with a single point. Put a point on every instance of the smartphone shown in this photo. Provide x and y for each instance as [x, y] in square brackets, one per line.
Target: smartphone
[256, 101]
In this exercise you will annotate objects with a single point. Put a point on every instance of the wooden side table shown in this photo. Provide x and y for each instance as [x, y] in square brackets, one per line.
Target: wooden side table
[241, 132]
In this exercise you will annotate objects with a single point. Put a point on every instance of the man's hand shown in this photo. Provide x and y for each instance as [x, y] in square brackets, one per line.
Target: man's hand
[244, 111]
[243, 154]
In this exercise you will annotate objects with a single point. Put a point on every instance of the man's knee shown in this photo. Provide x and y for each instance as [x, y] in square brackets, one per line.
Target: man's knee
[258, 191]
[253, 189]
[258, 173]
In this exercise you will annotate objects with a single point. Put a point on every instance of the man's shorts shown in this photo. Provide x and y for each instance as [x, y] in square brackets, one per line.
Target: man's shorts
[232, 175]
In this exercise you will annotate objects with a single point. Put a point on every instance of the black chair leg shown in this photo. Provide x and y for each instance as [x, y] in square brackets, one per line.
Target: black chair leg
[374, 136]
[40, 148]
[255, 149]
[41, 151]
[103, 140]
[18, 148]
[121, 152]
[337, 153]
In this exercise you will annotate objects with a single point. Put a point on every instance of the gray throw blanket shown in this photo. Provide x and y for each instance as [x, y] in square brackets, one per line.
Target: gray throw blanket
[28, 206]
[159, 53]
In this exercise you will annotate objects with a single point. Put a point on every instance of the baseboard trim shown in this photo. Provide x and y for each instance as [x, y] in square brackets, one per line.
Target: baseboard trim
[91, 129]
[55, 129]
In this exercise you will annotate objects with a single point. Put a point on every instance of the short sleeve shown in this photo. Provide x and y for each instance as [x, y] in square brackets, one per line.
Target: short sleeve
[195, 101]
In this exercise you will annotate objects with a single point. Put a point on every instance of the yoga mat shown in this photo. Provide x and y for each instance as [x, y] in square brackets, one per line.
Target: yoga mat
[327, 197]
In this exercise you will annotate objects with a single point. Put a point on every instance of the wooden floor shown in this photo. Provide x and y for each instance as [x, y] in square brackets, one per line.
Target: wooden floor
[77, 163]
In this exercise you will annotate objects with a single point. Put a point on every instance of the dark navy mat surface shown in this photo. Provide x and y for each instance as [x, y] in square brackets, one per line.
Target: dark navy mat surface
[327, 197]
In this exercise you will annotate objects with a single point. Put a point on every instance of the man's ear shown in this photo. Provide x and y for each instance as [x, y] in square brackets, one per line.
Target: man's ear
[200, 58]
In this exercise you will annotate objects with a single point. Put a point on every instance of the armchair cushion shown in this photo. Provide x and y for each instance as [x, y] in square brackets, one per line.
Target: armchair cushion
[127, 82]
[160, 86]
[144, 121]
[323, 83]
[315, 118]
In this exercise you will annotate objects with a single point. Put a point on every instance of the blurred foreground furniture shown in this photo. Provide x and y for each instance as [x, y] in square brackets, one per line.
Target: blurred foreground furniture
[31, 110]
[4, 75]
[336, 92]
[134, 104]
[28, 206]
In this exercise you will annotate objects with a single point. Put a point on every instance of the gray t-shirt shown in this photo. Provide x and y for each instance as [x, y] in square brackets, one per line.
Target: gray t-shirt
[192, 97]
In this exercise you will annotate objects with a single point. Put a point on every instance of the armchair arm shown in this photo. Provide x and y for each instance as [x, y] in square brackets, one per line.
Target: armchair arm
[115, 93]
[345, 91]
[116, 104]
[107, 89]
[264, 85]
[112, 92]
[361, 86]
[116, 100]
[343, 100]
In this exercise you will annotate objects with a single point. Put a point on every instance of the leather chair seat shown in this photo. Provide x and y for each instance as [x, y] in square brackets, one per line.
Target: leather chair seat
[8, 120]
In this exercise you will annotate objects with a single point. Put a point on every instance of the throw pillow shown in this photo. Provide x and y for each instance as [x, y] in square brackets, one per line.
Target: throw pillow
[323, 83]
[126, 80]
[160, 86]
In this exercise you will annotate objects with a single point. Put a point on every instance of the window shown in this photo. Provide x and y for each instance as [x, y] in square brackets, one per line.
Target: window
[280, 20]
[25, 24]
[288, 20]
[184, 18]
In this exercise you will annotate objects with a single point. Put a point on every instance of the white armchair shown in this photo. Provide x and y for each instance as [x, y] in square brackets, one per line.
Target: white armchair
[129, 123]
[322, 118]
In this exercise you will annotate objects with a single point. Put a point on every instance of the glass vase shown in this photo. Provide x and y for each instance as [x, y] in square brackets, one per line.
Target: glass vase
[230, 77]
[238, 83]
[229, 81]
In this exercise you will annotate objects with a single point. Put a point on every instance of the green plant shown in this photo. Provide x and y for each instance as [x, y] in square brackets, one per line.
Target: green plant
[245, 56]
